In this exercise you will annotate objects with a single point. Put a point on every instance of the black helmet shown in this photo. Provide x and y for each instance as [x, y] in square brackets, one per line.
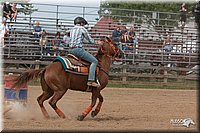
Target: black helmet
[79, 20]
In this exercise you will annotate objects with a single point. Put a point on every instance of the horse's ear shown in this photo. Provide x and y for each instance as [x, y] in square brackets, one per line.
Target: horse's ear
[108, 38]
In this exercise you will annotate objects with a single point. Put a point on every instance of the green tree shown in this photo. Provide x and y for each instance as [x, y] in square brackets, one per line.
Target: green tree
[26, 8]
[126, 11]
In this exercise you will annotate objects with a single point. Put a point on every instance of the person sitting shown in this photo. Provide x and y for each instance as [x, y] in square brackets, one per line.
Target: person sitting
[37, 30]
[14, 12]
[48, 46]
[56, 43]
[77, 34]
[167, 44]
[125, 39]
[132, 38]
[116, 34]
[66, 38]
[7, 10]
[43, 42]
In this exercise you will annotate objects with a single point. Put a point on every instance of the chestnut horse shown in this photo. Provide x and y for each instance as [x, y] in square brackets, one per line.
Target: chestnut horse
[55, 81]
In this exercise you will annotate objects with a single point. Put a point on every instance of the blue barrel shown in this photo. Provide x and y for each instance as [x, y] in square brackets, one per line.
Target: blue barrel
[10, 94]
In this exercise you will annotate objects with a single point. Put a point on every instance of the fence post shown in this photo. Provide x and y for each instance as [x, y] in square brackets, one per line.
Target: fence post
[57, 17]
[134, 52]
[30, 25]
[83, 12]
[165, 75]
[124, 75]
[37, 66]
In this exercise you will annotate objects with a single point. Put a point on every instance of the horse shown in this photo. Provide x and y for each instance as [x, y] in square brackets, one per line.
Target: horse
[55, 81]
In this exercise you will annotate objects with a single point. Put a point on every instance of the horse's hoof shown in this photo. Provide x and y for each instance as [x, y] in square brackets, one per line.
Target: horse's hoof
[80, 117]
[93, 113]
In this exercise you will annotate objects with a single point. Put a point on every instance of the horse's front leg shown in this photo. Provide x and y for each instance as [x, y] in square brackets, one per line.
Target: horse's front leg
[98, 107]
[95, 95]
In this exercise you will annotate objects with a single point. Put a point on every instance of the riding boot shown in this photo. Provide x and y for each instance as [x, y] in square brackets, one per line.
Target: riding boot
[93, 84]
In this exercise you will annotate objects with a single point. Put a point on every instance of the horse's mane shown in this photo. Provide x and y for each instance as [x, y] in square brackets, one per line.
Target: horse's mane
[104, 39]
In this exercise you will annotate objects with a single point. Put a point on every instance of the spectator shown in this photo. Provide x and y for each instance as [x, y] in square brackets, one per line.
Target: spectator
[183, 15]
[66, 38]
[124, 38]
[168, 47]
[57, 43]
[7, 10]
[43, 42]
[14, 12]
[196, 13]
[167, 44]
[3, 31]
[37, 30]
[132, 37]
[116, 34]
[48, 47]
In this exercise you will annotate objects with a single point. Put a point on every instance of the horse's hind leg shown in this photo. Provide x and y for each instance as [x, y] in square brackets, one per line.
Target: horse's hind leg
[98, 107]
[57, 96]
[44, 96]
[47, 93]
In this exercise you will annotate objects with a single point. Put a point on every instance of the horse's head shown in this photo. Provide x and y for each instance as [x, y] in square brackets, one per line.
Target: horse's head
[110, 49]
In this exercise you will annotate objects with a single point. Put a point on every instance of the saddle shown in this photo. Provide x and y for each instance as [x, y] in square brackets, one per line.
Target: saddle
[75, 65]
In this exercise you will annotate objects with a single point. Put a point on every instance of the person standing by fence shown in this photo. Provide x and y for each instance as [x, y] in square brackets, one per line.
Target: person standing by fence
[3, 32]
[196, 13]
[183, 15]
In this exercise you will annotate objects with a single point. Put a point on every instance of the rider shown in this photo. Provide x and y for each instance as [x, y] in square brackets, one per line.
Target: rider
[77, 34]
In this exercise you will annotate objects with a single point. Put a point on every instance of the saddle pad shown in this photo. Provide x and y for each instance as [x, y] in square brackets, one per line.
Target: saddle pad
[67, 65]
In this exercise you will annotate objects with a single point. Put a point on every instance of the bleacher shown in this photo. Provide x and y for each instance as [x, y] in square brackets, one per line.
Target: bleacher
[21, 47]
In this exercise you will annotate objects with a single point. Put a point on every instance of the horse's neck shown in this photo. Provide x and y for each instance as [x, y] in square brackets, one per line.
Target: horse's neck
[105, 61]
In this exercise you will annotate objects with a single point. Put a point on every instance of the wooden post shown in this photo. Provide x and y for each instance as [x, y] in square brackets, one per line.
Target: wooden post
[37, 66]
[165, 77]
[124, 75]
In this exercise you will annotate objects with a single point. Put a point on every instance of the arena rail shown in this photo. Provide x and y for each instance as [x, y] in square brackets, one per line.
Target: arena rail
[147, 60]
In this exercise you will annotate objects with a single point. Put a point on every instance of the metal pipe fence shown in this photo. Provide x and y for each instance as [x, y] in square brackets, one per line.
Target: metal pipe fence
[20, 44]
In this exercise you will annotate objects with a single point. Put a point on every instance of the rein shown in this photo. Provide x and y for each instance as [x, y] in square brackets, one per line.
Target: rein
[107, 53]
[101, 68]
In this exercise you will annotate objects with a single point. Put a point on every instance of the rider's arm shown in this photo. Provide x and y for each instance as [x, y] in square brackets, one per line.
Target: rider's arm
[87, 36]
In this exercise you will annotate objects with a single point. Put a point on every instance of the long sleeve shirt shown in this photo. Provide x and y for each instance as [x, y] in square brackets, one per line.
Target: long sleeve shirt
[78, 34]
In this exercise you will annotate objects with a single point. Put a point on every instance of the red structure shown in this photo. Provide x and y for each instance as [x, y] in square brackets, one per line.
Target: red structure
[104, 27]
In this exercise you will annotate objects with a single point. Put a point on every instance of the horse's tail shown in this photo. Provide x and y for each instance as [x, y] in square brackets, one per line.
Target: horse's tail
[25, 77]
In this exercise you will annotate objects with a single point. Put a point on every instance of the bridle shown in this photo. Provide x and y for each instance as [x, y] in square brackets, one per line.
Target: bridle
[107, 53]
[112, 48]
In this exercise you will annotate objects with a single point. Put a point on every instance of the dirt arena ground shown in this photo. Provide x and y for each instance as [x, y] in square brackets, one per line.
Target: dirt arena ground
[123, 109]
